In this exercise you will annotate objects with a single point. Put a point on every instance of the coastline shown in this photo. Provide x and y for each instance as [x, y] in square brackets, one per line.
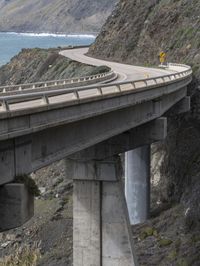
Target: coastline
[13, 42]
[52, 34]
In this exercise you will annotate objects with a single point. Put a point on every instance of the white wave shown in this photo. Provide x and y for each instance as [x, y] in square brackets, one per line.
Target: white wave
[81, 35]
[44, 34]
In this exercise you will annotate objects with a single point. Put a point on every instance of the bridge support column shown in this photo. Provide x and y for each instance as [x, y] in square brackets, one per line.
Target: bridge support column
[137, 183]
[16, 205]
[101, 229]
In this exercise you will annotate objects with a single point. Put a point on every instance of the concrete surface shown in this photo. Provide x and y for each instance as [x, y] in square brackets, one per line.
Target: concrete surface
[125, 71]
[16, 205]
[102, 234]
[75, 128]
[41, 128]
[137, 184]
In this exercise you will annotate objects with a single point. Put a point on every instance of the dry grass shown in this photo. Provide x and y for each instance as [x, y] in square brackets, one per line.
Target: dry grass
[23, 256]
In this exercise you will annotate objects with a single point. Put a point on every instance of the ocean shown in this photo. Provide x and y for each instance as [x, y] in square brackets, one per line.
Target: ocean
[11, 43]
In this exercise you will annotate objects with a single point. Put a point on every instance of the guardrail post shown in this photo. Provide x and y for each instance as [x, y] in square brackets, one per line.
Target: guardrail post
[133, 84]
[119, 88]
[76, 94]
[100, 90]
[5, 105]
[45, 99]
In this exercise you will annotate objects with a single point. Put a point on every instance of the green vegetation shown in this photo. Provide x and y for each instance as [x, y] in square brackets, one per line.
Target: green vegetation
[182, 262]
[172, 255]
[99, 70]
[30, 184]
[164, 242]
[23, 256]
[148, 231]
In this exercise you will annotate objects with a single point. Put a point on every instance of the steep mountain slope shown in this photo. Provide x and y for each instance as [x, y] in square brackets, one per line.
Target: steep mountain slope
[135, 33]
[54, 16]
[138, 30]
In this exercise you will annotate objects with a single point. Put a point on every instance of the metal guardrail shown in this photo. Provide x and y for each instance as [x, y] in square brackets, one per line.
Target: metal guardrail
[28, 87]
[49, 98]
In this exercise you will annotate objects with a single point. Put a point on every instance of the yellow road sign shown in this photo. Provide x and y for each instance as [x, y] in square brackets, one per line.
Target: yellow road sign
[162, 57]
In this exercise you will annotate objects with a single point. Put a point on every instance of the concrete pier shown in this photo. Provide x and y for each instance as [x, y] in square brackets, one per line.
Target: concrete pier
[101, 232]
[16, 205]
[86, 223]
[137, 183]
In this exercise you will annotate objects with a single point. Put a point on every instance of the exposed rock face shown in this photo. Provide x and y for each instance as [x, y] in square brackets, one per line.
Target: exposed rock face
[54, 16]
[135, 33]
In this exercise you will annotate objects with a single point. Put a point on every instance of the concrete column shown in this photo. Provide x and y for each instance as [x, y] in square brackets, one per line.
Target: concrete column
[86, 223]
[101, 227]
[117, 240]
[137, 184]
[16, 205]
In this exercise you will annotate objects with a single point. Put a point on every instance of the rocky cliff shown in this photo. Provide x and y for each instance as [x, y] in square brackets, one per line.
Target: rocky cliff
[135, 33]
[138, 30]
[65, 16]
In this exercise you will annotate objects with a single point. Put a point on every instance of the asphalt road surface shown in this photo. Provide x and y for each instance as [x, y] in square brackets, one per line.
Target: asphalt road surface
[124, 71]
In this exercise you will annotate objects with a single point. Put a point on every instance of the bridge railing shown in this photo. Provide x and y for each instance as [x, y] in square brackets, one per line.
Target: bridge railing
[34, 100]
[52, 84]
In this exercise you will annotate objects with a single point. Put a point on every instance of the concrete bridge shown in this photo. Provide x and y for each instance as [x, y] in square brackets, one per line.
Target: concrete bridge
[90, 122]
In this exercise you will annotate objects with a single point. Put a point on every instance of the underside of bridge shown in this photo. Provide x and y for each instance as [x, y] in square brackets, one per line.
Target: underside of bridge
[92, 136]
[102, 232]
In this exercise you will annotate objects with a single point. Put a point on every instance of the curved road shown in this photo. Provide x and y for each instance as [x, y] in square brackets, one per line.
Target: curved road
[124, 71]
[129, 78]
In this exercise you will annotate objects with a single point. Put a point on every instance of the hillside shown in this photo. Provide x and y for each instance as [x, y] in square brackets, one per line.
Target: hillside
[53, 209]
[138, 30]
[54, 16]
[34, 65]
[135, 33]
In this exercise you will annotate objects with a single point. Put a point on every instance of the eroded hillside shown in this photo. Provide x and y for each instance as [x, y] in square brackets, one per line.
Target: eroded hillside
[135, 33]
[138, 30]
[54, 16]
